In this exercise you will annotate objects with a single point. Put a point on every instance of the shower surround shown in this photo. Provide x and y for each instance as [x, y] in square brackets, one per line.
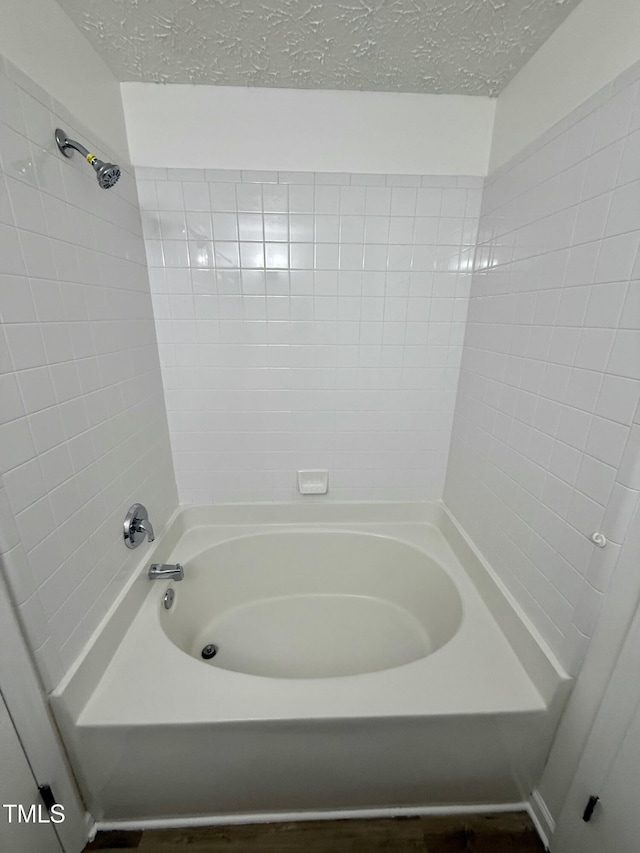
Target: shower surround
[329, 336]
[82, 424]
[550, 379]
[317, 320]
[309, 321]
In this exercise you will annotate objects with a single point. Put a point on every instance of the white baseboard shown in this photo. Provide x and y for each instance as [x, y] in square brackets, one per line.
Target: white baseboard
[91, 827]
[541, 816]
[289, 817]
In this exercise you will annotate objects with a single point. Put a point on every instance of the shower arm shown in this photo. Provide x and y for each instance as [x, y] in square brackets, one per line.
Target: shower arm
[64, 143]
[107, 173]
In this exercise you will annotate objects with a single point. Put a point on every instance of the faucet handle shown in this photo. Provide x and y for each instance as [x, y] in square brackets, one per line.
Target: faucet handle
[137, 526]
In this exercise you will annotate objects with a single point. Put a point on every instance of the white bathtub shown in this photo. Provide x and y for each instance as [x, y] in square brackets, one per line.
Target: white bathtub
[360, 666]
[312, 604]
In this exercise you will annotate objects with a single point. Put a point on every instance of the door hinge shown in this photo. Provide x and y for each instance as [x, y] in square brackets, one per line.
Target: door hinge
[591, 804]
[47, 796]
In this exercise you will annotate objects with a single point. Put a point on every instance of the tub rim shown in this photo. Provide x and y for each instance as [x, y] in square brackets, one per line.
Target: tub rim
[71, 696]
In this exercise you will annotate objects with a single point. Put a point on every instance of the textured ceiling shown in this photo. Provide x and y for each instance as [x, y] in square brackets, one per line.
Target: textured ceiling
[471, 47]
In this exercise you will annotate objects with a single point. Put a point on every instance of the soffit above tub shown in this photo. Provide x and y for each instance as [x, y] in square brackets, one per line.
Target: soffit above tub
[466, 47]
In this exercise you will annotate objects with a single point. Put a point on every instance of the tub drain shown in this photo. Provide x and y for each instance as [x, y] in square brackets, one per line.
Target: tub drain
[209, 651]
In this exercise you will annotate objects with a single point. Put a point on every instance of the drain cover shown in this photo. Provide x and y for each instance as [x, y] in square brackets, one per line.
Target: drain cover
[209, 651]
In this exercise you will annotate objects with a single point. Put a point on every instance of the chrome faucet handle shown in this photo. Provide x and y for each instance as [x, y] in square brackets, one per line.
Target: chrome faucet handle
[137, 526]
[145, 526]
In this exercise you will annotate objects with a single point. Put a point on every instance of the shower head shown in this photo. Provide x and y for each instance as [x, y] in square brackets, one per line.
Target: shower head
[107, 173]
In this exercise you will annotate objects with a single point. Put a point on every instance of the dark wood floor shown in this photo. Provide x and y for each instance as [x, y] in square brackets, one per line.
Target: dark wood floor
[497, 833]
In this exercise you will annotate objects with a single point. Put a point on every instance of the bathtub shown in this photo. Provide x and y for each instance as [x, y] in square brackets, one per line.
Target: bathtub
[316, 659]
[312, 604]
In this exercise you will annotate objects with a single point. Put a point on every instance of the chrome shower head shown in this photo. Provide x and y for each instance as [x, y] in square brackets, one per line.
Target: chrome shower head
[107, 173]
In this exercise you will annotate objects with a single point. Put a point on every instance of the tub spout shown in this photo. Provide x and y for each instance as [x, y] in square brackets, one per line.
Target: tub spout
[165, 571]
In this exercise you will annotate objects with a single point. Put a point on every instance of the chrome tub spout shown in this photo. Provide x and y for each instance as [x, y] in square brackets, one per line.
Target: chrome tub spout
[165, 571]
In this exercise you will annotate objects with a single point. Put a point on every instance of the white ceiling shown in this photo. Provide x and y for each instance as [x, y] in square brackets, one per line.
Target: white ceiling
[467, 47]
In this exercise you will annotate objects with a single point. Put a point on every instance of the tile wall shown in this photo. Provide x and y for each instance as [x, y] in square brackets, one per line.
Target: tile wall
[309, 321]
[83, 429]
[316, 321]
[550, 376]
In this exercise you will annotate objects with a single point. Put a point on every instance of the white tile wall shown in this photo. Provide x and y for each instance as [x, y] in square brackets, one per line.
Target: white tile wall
[309, 321]
[82, 423]
[550, 376]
